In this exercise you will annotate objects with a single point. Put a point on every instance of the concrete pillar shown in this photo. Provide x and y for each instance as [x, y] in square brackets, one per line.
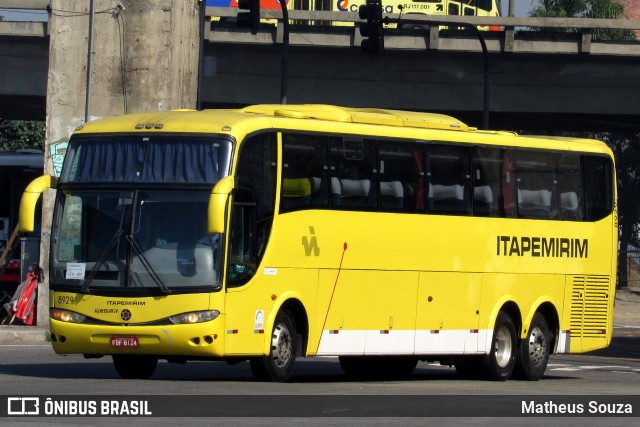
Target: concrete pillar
[145, 58]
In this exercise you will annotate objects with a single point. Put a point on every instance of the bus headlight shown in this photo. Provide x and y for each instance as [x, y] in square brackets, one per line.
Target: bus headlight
[67, 316]
[194, 317]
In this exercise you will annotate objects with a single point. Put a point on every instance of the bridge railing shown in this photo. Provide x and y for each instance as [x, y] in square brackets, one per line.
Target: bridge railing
[326, 16]
[340, 29]
[502, 21]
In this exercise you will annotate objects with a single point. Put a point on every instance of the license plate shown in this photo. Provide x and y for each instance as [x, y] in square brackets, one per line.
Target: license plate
[124, 342]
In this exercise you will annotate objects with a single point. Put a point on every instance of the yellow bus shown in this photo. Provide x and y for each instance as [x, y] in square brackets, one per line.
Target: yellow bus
[382, 237]
[405, 8]
[428, 7]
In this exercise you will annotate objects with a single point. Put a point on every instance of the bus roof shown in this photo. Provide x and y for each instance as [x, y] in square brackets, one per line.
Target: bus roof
[207, 120]
[283, 116]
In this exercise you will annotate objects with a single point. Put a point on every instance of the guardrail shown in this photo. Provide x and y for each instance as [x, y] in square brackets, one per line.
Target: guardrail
[519, 34]
[503, 21]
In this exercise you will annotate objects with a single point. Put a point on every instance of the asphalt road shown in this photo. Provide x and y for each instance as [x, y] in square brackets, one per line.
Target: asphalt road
[214, 393]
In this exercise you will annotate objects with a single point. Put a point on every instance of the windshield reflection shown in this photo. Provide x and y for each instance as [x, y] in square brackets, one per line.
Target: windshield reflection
[134, 239]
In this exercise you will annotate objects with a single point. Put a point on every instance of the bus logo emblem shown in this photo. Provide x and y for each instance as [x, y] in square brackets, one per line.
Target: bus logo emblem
[311, 244]
[125, 315]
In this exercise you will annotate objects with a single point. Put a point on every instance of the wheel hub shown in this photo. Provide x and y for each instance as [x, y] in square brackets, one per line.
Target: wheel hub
[503, 350]
[537, 346]
[281, 345]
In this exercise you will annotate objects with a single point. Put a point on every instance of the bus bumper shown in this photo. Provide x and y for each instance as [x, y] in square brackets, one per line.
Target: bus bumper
[189, 340]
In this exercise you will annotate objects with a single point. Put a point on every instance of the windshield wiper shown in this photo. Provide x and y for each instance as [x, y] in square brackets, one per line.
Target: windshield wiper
[137, 251]
[147, 265]
[102, 261]
[135, 248]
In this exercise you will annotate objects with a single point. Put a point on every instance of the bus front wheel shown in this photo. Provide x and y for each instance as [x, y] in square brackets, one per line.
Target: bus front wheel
[533, 354]
[278, 365]
[501, 360]
[135, 367]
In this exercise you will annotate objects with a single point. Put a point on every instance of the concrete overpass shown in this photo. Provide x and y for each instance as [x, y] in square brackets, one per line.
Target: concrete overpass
[538, 80]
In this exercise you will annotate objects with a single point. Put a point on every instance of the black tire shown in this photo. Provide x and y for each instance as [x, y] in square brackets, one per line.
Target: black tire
[135, 367]
[400, 367]
[501, 360]
[470, 368]
[378, 367]
[278, 365]
[354, 366]
[533, 354]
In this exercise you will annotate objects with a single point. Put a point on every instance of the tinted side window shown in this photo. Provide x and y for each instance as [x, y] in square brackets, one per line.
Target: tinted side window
[487, 182]
[448, 171]
[536, 182]
[571, 203]
[353, 172]
[402, 176]
[257, 171]
[305, 172]
[598, 185]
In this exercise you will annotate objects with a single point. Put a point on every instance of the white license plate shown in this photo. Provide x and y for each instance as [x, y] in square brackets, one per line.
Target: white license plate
[124, 342]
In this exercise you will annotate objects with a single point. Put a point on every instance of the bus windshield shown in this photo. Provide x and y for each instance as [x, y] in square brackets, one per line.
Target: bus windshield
[116, 229]
[146, 159]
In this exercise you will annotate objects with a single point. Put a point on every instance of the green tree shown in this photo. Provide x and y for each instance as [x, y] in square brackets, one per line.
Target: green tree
[17, 134]
[597, 9]
[559, 8]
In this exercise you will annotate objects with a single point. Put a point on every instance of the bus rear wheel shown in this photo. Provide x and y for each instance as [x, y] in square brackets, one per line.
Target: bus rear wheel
[501, 360]
[135, 367]
[533, 354]
[278, 365]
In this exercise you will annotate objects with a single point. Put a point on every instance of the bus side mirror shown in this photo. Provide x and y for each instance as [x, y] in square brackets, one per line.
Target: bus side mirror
[29, 200]
[218, 204]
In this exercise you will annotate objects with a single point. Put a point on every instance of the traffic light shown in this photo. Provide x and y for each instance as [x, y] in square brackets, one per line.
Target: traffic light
[373, 42]
[251, 18]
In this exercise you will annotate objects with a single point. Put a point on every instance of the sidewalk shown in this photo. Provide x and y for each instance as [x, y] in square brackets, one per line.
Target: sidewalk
[23, 335]
[627, 308]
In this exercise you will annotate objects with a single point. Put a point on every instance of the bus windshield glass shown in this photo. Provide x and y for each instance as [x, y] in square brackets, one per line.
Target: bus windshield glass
[147, 159]
[116, 229]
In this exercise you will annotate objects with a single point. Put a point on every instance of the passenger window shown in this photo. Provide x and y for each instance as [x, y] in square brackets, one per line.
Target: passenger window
[402, 177]
[598, 184]
[353, 172]
[487, 175]
[448, 172]
[536, 184]
[571, 205]
[305, 172]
